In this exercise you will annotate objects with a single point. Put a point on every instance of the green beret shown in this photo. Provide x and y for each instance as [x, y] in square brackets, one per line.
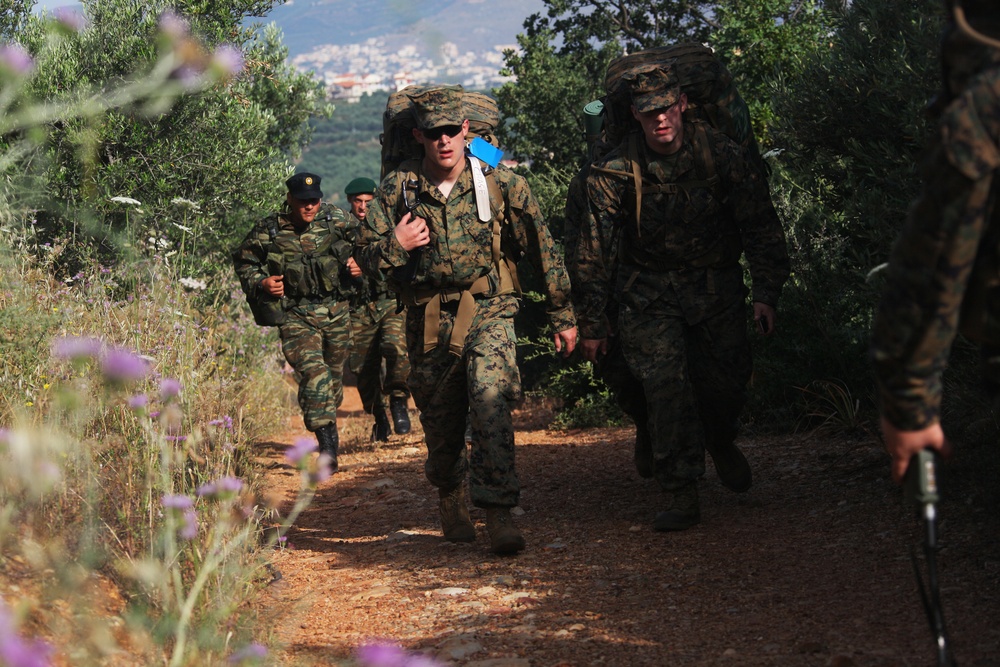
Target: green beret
[360, 186]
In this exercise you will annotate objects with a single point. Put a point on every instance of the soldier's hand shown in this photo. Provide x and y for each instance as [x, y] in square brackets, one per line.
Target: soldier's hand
[765, 317]
[902, 445]
[274, 285]
[353, 268]
[566, 341]
[593, 348]
[412, 232]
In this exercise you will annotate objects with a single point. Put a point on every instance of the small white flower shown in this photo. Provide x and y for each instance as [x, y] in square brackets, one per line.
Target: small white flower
[162, 243]
[185, 203]
[181, 227]
[192, 283]
[127, 200]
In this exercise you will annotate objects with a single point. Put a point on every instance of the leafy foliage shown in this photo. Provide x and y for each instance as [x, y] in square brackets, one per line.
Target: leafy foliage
[224, 149]
[850, 129]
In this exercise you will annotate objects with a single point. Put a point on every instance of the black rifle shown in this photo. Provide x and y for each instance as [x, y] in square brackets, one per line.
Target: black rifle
[922, 489]
[406, 273]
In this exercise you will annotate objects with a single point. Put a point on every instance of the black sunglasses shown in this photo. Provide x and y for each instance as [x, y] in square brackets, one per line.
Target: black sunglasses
[438, 132]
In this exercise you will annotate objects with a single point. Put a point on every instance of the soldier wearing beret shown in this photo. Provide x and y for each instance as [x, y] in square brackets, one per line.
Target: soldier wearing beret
[944, 270]
[300, 258]
[669, 254]
[378, 353]
[448, 251]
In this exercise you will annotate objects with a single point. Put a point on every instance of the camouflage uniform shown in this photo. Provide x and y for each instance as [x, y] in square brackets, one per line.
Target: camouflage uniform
[944, 270]
[680, 285]
[612, 367]
[378, 333]
[479, 378]
[316, 336]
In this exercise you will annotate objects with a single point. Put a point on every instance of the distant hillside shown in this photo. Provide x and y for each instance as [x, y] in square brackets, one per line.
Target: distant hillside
[471, 24]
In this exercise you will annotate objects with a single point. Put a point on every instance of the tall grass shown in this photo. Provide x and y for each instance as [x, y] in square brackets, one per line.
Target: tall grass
[127, 418]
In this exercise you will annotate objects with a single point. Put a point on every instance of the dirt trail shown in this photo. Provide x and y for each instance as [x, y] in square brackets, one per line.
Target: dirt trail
[811, 567]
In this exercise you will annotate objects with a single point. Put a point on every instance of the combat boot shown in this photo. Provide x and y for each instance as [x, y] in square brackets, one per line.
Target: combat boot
[400, 414]
[505, 538]
[684, 510]
[329, 443]
[732, 467]
[455, 521]
[380, 430]
[643, 451]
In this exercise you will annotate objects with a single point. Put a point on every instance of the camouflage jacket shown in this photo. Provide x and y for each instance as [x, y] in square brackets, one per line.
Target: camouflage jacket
[366, 289]
[944, 269]
[313, 261]
[460, 248]
[698, 214]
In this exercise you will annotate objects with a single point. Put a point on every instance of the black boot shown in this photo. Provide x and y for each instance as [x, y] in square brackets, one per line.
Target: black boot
[329, 443]
[380, 430]
[400, 414]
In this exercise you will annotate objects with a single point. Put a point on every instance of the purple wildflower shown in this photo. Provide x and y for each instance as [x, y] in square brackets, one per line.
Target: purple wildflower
[138, 402]
[70, 19]
[175, 438]
[15, 651]
[174, 25]
[189, 530]
[253, 651]
[227, 61]
[120, 366]
[300, 450]
[169, 388]
[222, 488]
[177, 502]
[76, 348]
[381, 654]
[225, 421]
[15, 60]
[323, 471]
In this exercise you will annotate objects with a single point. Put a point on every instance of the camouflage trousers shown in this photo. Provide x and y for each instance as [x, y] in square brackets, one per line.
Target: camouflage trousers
[315, 340]
[614, 371]
[694, 377]
[481, 385]
[378, 352]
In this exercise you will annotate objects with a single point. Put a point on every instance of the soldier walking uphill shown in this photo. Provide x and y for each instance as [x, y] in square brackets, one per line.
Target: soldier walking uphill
[299, 262]
[679, 283]
[611, 367]
[944, 271]
[440, 243]
[378, 337]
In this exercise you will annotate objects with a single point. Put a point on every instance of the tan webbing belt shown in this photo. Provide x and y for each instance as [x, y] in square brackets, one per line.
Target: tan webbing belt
[467, 308]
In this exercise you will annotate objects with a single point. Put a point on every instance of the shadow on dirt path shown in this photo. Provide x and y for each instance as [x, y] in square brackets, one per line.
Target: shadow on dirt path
[811, 567]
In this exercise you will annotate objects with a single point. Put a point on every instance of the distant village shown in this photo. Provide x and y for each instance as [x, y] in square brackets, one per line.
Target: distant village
[351, 71]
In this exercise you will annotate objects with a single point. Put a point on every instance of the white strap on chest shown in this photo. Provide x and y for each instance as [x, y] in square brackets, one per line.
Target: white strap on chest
[482, 190]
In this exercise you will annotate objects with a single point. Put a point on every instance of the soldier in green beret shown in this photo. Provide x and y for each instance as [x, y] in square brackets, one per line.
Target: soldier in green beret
[378, 353]
[667, 247]
[300, 257]
[944, 270]
[446, 230]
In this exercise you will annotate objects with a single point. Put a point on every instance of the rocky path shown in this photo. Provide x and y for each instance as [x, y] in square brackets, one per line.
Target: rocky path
[811, 567]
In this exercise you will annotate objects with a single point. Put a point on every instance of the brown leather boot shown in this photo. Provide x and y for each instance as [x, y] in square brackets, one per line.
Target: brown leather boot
[505, 538]
[684, 511]
[455, 521]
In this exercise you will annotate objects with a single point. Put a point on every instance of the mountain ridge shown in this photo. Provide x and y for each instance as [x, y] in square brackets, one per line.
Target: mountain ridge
[470, 24]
